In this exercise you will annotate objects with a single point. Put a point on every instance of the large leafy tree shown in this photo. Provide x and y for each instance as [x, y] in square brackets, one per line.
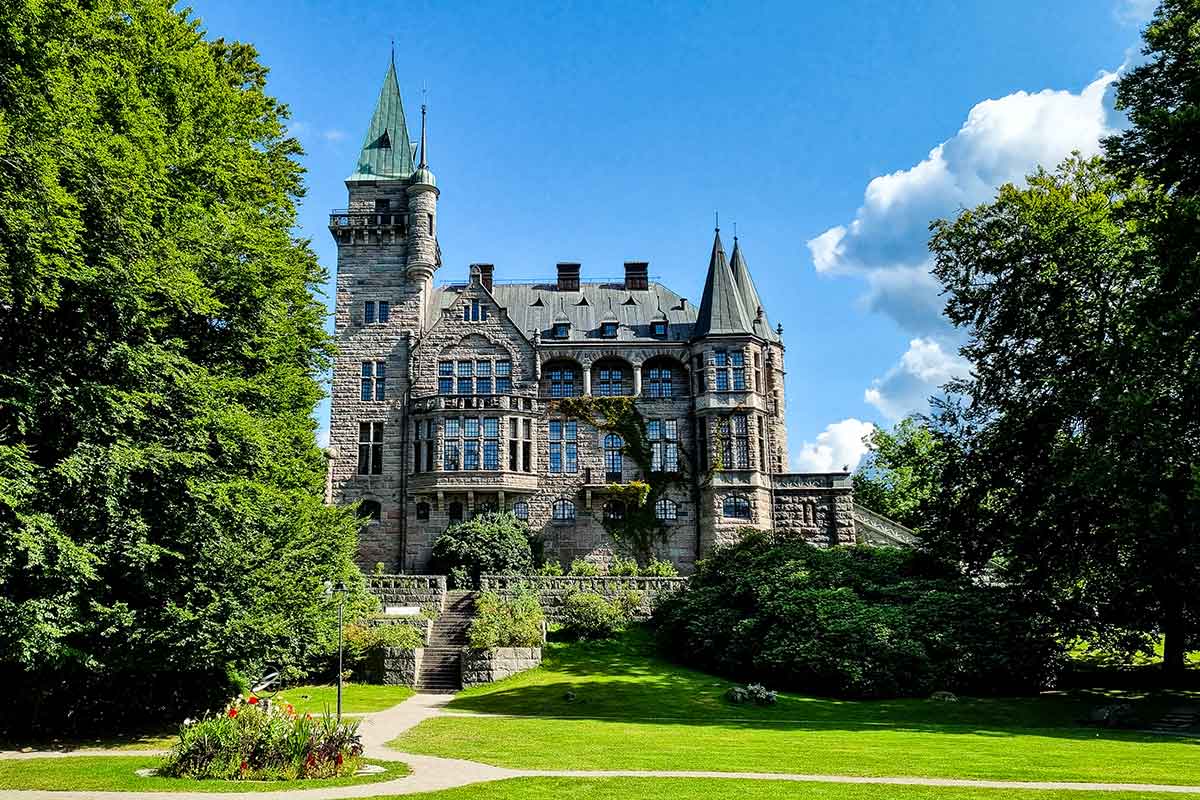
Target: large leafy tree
[1075, 473]
[161, 515]
[902, 471]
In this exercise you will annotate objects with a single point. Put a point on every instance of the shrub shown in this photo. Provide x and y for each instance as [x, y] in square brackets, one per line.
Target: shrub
[587, 615]
[583, 569]
[659, 568]
[550, 569]
[754, 693]
[506, 622]
[859, 621]
[494, 543]
[254, 740]
[363, 642]
[623, 567]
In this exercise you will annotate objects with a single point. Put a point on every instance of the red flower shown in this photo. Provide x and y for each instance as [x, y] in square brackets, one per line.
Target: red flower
[232, 712]
[339, 759]
[252, 700]
[308, 716]
[245, 766]
[290, 710]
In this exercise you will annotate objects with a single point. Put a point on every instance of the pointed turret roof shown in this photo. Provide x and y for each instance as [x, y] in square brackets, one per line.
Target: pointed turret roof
[721, 308]
[749, 294]
[386, 150]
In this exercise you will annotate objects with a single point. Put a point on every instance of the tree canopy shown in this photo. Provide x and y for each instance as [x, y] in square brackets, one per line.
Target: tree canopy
[901, 472]
[161, 515]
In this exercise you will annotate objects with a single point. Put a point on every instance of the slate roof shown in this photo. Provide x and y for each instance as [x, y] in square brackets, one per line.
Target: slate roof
[721, 310]
[586, 309]
[386, 150]
[749, 295]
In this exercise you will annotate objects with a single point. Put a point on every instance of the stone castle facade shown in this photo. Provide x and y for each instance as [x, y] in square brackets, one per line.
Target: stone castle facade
[444, 394]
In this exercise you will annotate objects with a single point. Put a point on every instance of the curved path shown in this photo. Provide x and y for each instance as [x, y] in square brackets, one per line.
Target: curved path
[431, 773]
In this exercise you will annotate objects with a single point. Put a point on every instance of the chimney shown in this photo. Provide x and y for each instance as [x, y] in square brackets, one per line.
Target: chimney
[485, 274]
[682, 303]
[637, 275]
[568, 276]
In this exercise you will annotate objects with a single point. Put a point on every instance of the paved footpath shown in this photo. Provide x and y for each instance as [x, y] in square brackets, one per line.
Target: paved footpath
[430, 773]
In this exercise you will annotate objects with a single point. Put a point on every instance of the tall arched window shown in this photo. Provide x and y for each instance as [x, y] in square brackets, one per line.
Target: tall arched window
[422, 511]
[370, 511]
[564, 511]
[455, 511]
[666, 510]
[614, 511]
[521, 509]
[737, 507]
[613, 461]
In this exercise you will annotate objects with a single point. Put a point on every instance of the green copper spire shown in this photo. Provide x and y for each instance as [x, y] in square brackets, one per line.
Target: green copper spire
[721, 309]
[386, 150]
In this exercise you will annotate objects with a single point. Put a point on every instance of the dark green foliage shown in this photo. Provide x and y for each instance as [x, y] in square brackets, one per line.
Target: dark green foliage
[161, 517]
[264, 742]
[901, 473]
[856, 622]
[516, 621]
[587, 615]
[491, 544]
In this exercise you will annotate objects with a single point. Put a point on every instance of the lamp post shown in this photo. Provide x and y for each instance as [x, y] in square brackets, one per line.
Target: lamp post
[340, 591]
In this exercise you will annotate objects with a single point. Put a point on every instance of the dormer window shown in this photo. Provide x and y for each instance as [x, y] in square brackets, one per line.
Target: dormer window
[608, 330]
[561, 330]
[658, 328]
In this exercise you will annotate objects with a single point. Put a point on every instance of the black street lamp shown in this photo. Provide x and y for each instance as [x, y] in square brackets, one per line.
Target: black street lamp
[340, 591]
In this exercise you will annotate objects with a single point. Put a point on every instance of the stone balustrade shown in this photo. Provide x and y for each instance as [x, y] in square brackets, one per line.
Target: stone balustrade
[426, 591]
[553, 590]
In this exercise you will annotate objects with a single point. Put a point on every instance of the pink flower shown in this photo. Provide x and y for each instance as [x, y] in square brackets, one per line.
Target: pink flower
[339, 759]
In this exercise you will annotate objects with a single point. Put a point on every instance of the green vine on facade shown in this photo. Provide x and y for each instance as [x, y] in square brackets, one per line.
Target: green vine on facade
[638, 529]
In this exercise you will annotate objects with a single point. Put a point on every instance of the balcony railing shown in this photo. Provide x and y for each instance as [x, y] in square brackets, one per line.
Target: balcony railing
[473, 402]
[343, 218]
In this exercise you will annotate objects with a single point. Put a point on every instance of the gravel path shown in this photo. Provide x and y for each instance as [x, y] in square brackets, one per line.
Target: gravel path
[430, 773]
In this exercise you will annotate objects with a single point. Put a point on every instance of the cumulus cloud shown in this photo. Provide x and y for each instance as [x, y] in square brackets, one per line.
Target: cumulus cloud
[840, 446]
[886, 244]
[907, 386]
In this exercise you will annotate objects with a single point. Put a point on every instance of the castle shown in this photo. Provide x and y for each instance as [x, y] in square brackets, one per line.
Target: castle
[443, 395]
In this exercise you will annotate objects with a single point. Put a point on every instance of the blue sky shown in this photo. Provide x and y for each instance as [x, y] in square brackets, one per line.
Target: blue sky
[604, 132]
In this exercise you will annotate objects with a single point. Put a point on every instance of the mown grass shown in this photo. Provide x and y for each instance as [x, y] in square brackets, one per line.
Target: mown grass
[119, 774]
[357, 698]
[615, 705]
[692, 788]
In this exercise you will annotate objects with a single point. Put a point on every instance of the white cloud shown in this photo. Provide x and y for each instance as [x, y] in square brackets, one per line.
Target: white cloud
[839, 446]
[333, 135]
[907, 386]
[886, 244]
[323, 437]
[1135, 12]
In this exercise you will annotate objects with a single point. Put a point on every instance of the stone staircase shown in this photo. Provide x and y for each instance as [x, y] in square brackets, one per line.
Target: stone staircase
[440, 664]
[1180, 721]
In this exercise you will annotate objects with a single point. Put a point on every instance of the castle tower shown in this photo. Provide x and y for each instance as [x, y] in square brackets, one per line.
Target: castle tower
[387, 254]
[731, 352]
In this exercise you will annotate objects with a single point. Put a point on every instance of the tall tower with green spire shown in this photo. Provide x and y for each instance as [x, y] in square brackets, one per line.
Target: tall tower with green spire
[387, 256]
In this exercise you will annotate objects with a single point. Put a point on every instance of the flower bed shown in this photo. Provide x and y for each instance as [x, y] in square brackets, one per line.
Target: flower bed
[254, 739]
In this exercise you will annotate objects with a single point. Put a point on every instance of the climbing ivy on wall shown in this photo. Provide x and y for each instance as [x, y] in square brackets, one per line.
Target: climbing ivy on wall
[639, 530]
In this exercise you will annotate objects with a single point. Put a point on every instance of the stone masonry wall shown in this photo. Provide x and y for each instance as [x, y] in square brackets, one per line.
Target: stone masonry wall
[553, 591]
[816, 508]
[486, 666]
[426, 591]
[397, 667]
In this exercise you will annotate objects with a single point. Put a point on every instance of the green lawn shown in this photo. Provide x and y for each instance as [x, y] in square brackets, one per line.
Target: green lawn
[634, 711]
[119, 774]
[691, 788]
[357, 698]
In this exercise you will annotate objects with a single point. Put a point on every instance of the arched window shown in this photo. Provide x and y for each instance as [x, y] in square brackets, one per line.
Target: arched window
[613, 460]
[614, 511]
[455, 511]
[666, 510]
[423, 511]
[370, 511]
[564, 511]
[737, 507]
[521, 510]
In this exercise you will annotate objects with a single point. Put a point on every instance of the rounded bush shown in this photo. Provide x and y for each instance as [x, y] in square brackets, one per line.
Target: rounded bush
[587, 615]
[495, 543]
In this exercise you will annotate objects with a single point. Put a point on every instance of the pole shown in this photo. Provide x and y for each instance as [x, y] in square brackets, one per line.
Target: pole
[341, 602]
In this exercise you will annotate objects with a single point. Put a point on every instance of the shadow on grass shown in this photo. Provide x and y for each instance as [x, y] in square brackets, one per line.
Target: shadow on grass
[626, 680]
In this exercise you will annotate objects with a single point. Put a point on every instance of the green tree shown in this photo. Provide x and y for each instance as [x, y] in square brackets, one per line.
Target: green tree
[495, 544]
[161, 516]
[901, 472]
[1075, 449]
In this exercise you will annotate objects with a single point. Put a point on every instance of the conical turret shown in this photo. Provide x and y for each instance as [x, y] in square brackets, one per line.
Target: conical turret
[386, 150]
[749, 295]
[721, 309]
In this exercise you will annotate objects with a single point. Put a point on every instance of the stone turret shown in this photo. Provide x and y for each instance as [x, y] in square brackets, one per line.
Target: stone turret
[424, 255]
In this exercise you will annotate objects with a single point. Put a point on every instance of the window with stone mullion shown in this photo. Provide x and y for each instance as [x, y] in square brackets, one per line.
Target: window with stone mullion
[470, 430]
[659, 382]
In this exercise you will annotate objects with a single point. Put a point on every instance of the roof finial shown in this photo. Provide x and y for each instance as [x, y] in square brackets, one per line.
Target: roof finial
[393, 51]
[735, 230]
[424, 145]
[717, 221]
